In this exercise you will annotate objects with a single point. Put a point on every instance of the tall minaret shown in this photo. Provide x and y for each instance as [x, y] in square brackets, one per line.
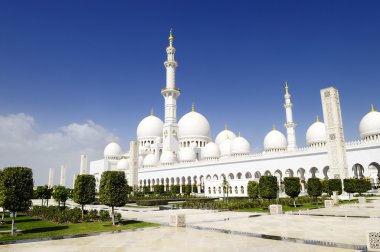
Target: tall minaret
[289, 125]
[170, 94]
[51, 178]
[62, 181]
[83, 164]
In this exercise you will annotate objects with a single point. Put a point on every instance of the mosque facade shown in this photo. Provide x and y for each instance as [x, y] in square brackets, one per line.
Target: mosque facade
[180, 153]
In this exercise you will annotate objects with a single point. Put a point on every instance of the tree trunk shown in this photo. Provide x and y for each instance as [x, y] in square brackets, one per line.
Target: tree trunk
[64, 204]
[47, 202]
[2, 217]
[82, 211]
[42, 202]
[113, 216]
[13, 224]
[294, 201]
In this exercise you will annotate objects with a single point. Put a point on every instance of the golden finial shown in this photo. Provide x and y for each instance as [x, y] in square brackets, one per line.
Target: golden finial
[228, 136]
[225, 126]
[192, 107]
[171, 38]
[239, 134]
[317, 118]
[151, 112]
[286, 86]
[372, 108]
[274, 127]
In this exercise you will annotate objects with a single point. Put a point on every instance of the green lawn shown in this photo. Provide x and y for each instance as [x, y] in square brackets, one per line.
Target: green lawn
[35, 228]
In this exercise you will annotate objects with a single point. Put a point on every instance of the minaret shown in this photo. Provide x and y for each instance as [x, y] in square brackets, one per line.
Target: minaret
[74, 178]
[62, 181]
[51, 178]
[170, 94]
[83, 164]
[289, 125]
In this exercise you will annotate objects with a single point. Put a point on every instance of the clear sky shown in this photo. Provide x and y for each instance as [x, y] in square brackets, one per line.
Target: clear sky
[75, 74]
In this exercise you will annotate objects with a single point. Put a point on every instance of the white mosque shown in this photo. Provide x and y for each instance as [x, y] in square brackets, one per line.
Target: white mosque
[170, 153]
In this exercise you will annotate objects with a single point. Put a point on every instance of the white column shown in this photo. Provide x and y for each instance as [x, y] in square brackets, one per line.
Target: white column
[133, 163]
[62, 181]
[51, 178]
[74, 178]
[290, 125]
[336, 146]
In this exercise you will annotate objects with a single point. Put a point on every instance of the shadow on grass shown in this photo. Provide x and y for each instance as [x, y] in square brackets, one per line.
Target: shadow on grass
[44, 229]
[25, 220]
[123, 222]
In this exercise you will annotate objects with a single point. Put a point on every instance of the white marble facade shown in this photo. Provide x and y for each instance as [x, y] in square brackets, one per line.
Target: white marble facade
[172, 153]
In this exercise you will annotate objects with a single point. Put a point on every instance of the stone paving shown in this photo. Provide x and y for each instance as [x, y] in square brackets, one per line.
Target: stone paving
[232, 231]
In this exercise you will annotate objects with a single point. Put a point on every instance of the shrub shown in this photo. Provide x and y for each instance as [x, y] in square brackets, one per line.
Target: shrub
[268, 187]
[153, 202]
[349, 186]
[175, 189]
[117, 217]
[86, 218]
[93, 214]
[146, 189]
[362, 186]
[314, 187]
[195, 189]
[292, 188]
[159, 189]
[253, 189]
[187, 190]
[75, 215]
[104, 215]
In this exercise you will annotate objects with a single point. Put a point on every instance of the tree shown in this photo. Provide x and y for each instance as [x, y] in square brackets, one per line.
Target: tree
[47, 193]
[159, 189]
[268, 187]
[187, 189]
[84, 190]
[225, 186]
[2, 199]
[40, 194]
[362, 186]
[292, 188]
[61, 194]
[334, 185]
[113, 190]
[253, 189]
[314, 187]
[17, 190]
[349, 187]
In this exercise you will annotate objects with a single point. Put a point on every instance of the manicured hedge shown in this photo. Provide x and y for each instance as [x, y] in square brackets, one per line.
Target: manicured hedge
[253, 189]
[153, 202]
[314, 187]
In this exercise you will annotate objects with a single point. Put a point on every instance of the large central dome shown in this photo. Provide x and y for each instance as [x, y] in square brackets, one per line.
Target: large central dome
[193, 124]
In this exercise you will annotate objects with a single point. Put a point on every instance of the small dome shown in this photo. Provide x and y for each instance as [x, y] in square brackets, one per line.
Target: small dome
[150, 126]
[113, 149]
[370, 124]
[150, 160]
[223, 135]
[275, 140]
[211, 151]
[193, 124]
[225, 148]
[123, 164]
[168, 157]
[240, 146]
[316, 134]
[187, 155]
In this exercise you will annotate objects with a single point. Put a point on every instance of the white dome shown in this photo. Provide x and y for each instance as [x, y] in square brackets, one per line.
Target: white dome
[193, 124]
[113, 149]
[150, 160]
[275, 140]
[223, 135]
[316, 133]
[370, 124]
[240, 146]
[168, 157]
[211, 150]
[187, 155]
[150, 126]
[225, 147]
[123, 164]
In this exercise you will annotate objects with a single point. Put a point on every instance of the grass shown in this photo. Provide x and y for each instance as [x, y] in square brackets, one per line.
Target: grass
[34, 228]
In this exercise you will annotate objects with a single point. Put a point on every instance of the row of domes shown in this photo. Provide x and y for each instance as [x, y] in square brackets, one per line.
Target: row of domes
[225, 143]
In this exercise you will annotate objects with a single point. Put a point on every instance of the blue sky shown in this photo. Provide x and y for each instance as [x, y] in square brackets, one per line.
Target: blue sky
[70, 63]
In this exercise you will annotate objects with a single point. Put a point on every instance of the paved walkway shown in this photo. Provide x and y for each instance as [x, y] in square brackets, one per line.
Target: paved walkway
[231, 231]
